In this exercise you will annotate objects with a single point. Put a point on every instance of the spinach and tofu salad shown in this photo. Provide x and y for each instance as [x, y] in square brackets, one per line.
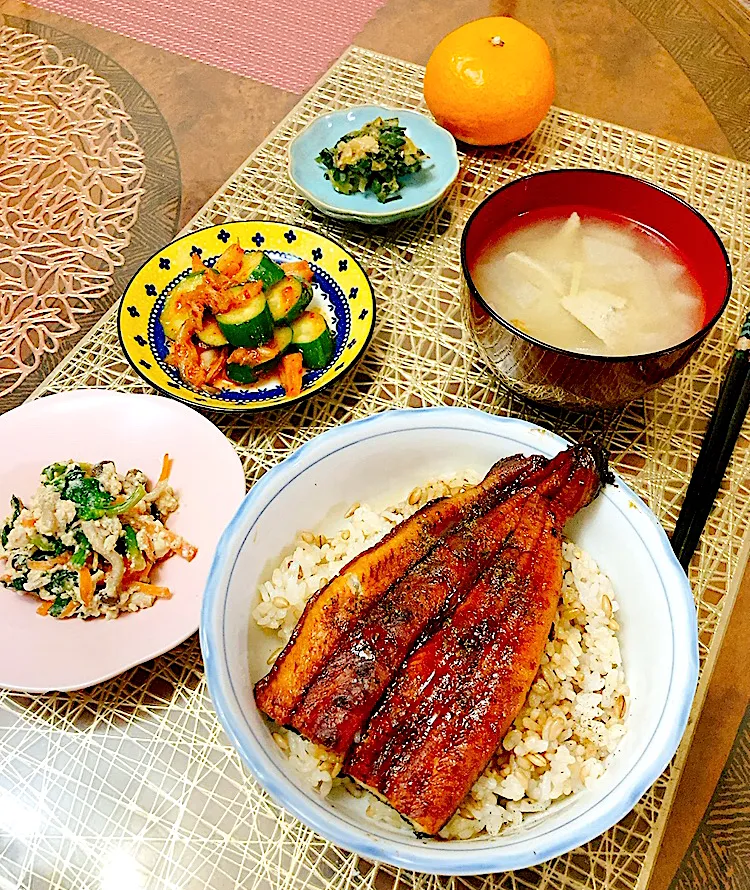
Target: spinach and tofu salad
[244, 320]
[89, 539]
[372, 159]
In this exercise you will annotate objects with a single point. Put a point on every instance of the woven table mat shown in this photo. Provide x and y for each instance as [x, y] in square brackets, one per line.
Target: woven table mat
[170, 788]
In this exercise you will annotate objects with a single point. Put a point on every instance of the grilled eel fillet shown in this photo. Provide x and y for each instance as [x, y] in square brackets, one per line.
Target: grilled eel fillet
[331, 613]
[445, 714]
[340, 699]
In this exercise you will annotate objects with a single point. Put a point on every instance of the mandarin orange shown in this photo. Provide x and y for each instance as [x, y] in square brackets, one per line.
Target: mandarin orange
[490, 81]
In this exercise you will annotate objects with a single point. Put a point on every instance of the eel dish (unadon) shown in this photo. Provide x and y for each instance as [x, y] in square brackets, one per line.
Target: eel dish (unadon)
[413, 662]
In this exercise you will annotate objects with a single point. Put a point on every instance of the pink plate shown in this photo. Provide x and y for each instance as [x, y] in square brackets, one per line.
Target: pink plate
[39, 654]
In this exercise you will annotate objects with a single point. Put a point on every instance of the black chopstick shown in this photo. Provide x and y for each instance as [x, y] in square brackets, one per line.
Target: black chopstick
[716, 450]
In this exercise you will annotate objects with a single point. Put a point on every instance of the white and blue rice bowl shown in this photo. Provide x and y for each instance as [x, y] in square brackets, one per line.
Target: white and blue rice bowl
[378, 460]
[419, 191]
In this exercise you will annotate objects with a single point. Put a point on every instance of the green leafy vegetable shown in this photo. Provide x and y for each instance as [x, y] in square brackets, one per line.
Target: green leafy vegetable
[19, 563]
[15, 512]
[59, 604]
[62, 581]
[83, 548]
[92, 500]
[46, 546]
[132, 549]
[55, 475]
[136, 495]
[372, 159]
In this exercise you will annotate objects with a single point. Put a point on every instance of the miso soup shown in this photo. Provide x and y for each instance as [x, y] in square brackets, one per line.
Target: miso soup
[590, 283]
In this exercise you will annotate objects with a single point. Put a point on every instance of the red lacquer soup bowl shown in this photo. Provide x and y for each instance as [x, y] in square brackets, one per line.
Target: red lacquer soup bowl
[552, 375]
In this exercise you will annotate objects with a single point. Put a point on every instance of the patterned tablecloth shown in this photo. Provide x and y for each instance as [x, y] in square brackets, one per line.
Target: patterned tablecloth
[258, 42]
[136, 773]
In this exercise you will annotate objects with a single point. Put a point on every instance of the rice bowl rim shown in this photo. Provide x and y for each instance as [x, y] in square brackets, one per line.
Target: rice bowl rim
[454, 857]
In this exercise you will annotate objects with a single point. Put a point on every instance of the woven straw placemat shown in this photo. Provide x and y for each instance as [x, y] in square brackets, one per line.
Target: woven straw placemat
[152, 772]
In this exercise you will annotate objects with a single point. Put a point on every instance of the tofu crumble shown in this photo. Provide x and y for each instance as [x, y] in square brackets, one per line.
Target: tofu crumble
[89, 540]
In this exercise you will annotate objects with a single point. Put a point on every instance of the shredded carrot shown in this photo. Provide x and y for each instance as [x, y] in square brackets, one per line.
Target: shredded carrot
[69, 609]
[166, 468]
[28, 523]
[143, 576]
[290, 374]
[87, 586]
[153, 590]
[188, 551]
[45, 607]
[40, 565]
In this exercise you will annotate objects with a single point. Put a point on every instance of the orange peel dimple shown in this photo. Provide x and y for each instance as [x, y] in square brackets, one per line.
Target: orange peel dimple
[486, 97]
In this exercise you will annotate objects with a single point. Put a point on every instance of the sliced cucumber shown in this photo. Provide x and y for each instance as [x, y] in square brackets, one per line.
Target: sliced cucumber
[211, 334]
[250, 324]
[311, 336]
[241, 373]
[177, 307]
[282, 340]
[288, 298]
[263, 357]
[256, 266]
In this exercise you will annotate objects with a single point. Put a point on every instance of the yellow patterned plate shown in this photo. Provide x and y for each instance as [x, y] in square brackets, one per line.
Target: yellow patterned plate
[342, 293]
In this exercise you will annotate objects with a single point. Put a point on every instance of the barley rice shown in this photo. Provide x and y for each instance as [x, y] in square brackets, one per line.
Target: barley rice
[573, 718]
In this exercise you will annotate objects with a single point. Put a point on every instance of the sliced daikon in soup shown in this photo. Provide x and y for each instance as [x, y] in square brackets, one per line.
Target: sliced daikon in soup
[603, 257]
[590, 285]
[565, 244]
[602, 312]
[544, 277]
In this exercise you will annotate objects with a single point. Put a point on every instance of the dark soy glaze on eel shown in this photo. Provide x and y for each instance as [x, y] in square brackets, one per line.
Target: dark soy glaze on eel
[338, 703]
[426, 685]
[425, 775]
[444, 716]
[330, 614]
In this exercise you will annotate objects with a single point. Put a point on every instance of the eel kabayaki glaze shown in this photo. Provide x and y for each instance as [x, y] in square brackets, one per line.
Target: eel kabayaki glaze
[335, 708]
[331, 613]
[453, 700]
